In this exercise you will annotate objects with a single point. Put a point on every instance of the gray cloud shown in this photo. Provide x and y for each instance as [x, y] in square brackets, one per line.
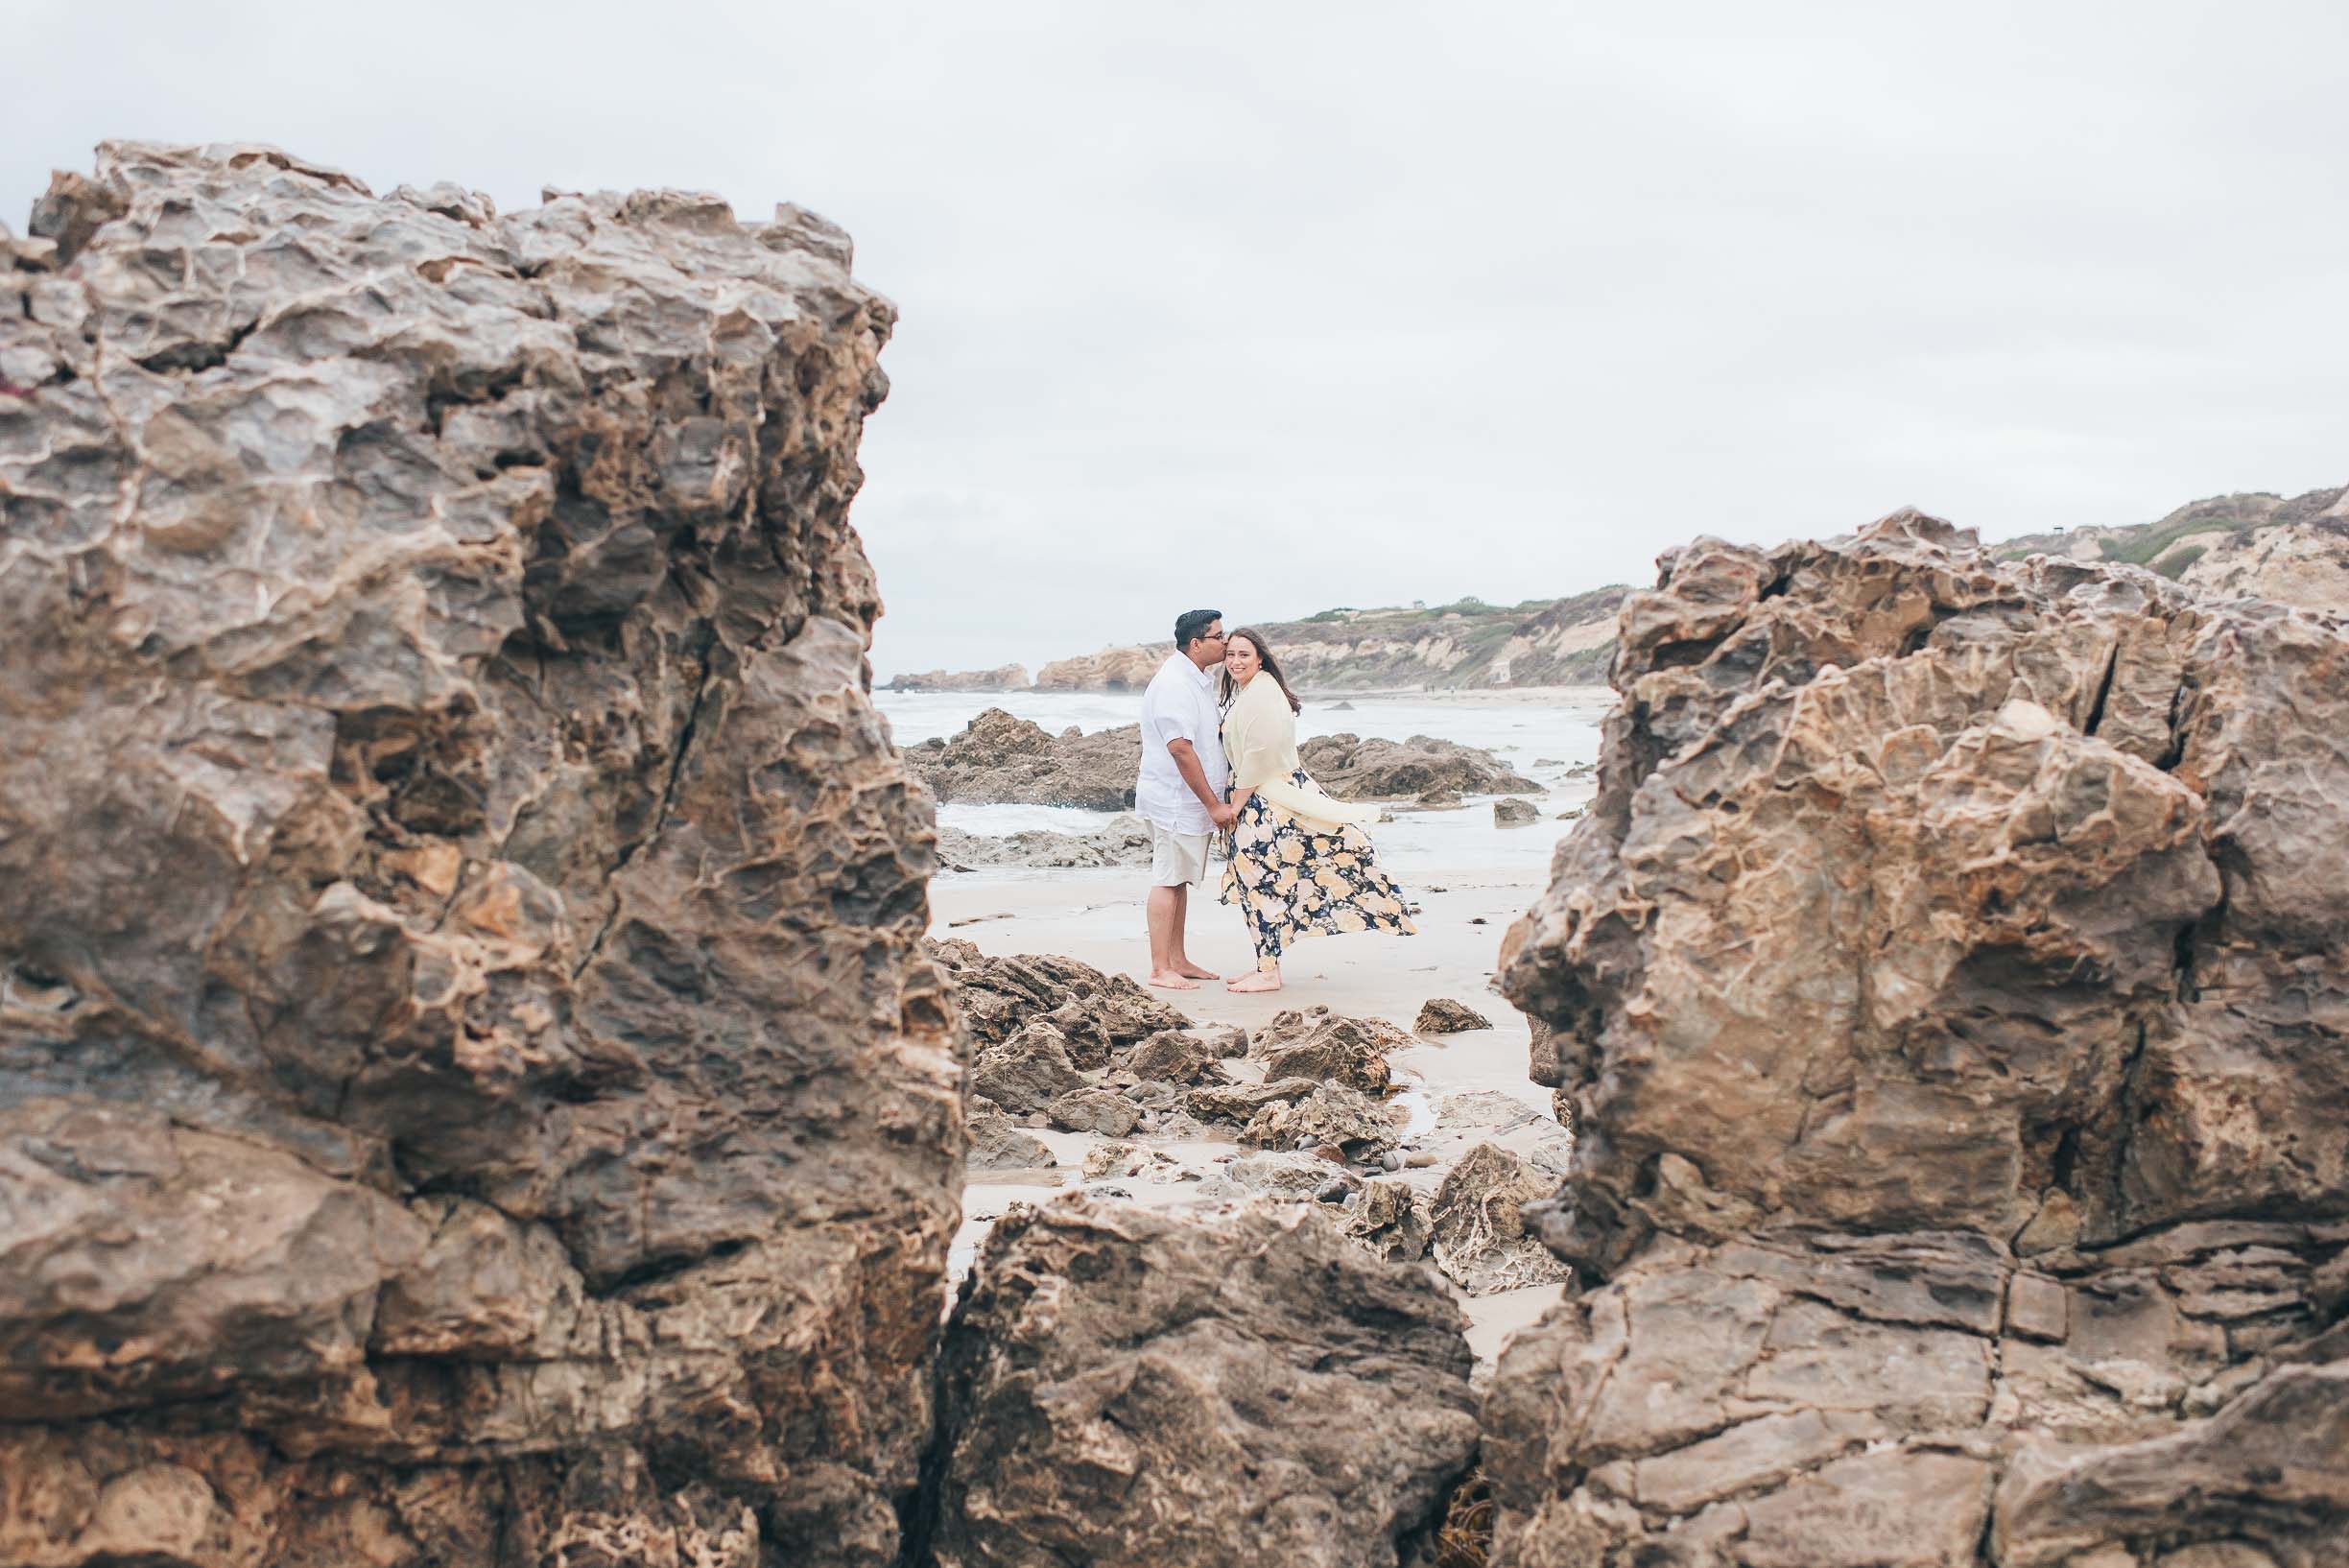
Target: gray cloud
[1279, 307]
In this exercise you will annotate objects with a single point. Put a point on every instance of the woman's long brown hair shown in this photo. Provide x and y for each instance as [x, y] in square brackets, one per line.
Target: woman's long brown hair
[1271, 667]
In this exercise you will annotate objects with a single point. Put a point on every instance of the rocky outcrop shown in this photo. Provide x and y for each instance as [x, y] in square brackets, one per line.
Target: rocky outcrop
[1123, 841]
[470, 1090]
[1012, 678]
[2306, 563]
[1945, 985]
[1026, 1073]
[1171, 1057]
[1111, 670]
[1091, 1110]
[1353, 768]
[1514, 813]
[998, 759]
[1123, 1388]
[1294, 1026]
[1477, 1224]
[1331, 1049]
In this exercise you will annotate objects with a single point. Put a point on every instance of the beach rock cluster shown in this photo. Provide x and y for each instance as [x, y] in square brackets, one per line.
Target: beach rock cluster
[470, 1086]
[998, 759]
[1946, 987]
[1421, 768]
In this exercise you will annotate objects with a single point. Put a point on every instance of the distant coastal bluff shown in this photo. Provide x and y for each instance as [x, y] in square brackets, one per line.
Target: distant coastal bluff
[2292, 550]
[475, 1086]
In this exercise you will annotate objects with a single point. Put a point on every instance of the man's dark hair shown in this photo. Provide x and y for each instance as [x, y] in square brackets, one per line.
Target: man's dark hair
[1191, 625]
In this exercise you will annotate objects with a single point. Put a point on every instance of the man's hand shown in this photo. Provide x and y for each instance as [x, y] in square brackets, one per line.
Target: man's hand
[1222, 816]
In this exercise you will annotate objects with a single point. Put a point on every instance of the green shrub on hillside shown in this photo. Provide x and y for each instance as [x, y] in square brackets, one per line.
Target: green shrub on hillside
[2174, 565]
[2148, 547]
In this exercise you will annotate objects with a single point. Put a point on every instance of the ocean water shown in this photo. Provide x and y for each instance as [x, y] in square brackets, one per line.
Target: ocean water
[1541, 742]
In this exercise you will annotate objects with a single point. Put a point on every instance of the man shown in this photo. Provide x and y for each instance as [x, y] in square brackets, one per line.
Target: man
[1180, 789]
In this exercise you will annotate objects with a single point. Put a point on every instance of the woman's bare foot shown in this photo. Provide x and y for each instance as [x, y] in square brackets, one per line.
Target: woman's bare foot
[1187, 967]
[1167, 979]
[1261, 980]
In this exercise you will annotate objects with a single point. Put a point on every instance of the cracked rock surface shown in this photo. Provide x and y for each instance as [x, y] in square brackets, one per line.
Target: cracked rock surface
[1947, 989]
[470, 1090]
[1124, 1387]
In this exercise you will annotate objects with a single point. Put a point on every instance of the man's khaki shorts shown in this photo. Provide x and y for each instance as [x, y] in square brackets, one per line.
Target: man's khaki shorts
[1176, 858]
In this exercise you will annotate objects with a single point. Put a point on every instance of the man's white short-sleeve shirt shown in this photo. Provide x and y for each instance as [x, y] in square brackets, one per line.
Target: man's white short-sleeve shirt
[1180, 705]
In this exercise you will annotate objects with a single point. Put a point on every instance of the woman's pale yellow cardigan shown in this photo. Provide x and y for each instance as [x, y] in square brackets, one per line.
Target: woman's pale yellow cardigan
[1260, 737]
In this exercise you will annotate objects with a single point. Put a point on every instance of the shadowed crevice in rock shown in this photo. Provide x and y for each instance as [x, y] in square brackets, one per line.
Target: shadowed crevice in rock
[470, 1086]
[1942, 981]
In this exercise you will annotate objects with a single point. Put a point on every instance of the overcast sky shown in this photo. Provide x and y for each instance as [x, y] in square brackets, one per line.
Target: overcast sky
[1272, 307]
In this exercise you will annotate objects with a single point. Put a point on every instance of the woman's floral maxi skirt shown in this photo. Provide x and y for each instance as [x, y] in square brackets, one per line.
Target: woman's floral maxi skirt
[1290, 881]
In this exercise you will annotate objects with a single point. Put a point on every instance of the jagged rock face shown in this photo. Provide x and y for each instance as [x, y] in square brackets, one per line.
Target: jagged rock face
[1945, 987]
[472, 1090]
[998, 759]
[1125, 1388]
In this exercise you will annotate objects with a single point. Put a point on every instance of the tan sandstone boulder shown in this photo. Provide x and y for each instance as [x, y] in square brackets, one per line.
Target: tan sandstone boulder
[1947, 989]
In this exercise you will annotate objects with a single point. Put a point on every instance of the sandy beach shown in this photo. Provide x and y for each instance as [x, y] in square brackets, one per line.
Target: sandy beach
[1469, 878]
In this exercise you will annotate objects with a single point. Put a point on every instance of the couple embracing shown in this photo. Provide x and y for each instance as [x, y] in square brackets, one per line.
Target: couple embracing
[1220, 757]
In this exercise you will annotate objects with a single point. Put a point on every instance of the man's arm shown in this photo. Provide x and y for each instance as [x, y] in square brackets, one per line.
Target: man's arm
[1187, 764]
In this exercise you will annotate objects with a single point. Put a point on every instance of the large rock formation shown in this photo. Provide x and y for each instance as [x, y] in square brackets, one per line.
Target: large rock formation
[1111, 670]
[999, 759]
[1947, 983]
[1130, 1390]
[1353, 768]
[470, 1090]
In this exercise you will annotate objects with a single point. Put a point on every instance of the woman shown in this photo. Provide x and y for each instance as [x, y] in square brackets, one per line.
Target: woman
[1300, 862]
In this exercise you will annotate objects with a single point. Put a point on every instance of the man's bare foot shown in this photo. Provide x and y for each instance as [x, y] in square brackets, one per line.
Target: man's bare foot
[1260, 981]
[1166, 980]
[1187, 967]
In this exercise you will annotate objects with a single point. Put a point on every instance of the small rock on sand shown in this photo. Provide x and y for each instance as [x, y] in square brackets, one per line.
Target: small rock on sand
[1442, 1015]
[1094, 1111]
[997, 1145]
